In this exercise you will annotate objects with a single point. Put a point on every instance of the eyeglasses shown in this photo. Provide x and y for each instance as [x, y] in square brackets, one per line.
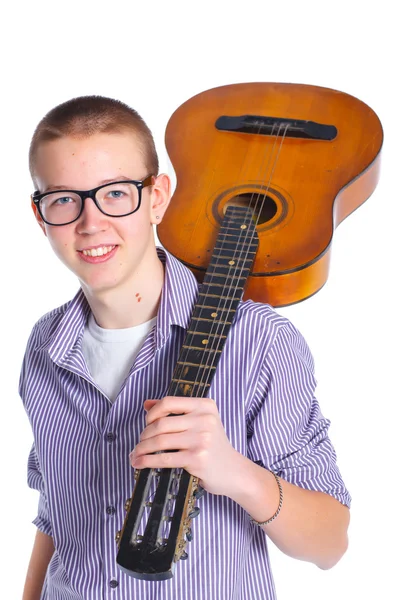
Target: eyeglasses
[116, 199]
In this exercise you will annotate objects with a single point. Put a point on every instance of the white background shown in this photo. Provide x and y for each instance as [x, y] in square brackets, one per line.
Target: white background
[154, 56]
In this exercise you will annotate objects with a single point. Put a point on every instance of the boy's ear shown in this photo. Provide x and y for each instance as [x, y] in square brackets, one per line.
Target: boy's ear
[38, 217]
[160, 198]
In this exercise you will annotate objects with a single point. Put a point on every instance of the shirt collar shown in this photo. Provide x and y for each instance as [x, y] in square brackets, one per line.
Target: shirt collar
[69, 329]
[178, 297]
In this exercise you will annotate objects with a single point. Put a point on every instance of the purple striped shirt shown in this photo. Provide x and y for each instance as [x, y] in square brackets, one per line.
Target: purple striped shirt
[264, 388]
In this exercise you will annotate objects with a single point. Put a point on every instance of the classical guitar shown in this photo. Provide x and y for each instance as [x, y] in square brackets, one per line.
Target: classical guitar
[265, 172]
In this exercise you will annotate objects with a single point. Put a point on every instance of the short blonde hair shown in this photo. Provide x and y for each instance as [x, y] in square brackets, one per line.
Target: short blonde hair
[86, 115]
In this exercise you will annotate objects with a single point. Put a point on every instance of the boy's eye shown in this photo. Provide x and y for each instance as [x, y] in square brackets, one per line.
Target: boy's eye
[54, 200]
[64, 200]
[115, 194]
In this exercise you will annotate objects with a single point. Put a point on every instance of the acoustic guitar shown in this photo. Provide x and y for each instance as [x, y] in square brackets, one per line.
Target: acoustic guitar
[265, 173]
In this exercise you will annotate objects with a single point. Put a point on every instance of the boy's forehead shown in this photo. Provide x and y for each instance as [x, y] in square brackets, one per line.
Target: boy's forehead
[70, 160]
[98, 143]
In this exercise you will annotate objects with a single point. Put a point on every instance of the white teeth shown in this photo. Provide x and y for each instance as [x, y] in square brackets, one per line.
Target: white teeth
[98, 251]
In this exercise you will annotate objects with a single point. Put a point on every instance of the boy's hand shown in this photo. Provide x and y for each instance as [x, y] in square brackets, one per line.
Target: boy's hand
[196, 433]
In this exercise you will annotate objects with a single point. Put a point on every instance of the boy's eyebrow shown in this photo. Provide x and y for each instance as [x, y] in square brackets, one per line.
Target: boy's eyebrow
[104, 182]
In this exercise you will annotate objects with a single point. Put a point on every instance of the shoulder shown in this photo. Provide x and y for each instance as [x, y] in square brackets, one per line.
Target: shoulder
[263, 326]
[45, 327]
[260, 317]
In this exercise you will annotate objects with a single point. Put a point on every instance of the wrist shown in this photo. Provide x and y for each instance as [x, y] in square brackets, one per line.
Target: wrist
[255, 489]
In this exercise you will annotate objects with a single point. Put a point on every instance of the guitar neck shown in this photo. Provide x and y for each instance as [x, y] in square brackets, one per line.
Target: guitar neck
[219, 296]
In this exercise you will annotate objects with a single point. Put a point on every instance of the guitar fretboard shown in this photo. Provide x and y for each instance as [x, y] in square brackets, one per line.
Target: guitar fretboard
[219, 295]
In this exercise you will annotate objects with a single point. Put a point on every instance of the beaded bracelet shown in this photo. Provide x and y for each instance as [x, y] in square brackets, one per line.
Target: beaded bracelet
[278, 509]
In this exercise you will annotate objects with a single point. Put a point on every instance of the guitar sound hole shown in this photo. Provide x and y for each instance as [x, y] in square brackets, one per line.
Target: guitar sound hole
[265, 208]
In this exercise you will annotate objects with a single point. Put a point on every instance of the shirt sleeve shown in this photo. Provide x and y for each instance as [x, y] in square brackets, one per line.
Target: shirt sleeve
[287, 432]
[35, 481]
[35, 476]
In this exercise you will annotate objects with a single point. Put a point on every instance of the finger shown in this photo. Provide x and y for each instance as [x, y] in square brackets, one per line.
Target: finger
[162, 443]
[164, 460]
[170, 424]
[179, 405]
[148, 404]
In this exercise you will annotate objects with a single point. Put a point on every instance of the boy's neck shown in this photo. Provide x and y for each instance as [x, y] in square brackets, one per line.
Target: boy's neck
[132, 304]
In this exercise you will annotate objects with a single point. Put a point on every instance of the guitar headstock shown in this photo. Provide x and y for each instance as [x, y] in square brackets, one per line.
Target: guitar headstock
[157, 525]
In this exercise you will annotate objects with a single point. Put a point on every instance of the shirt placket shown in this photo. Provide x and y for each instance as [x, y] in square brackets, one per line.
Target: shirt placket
[120, 434]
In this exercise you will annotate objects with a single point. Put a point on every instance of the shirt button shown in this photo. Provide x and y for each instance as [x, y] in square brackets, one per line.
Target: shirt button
[114, 583]
[111, 437]
[110, 510]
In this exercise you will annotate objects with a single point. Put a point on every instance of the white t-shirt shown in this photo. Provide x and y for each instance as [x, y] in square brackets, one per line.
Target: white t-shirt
[110, 353]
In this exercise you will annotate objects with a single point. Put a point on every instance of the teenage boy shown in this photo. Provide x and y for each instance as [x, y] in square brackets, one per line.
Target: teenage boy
[97, 369]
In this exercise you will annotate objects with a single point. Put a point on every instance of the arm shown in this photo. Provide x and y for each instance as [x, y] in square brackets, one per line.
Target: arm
[286, 434]
[311, 526]
[42, 552]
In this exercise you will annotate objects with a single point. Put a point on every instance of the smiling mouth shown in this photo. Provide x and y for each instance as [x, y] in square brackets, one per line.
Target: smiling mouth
[101, 251]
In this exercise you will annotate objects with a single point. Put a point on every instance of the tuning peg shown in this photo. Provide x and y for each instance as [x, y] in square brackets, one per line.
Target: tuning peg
[193, 514]
[184, 556]
[128, 504]
[199, 493]
[189, 535]
[118, 536]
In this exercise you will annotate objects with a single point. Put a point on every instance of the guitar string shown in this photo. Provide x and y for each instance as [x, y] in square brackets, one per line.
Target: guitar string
[248, 232]
[233, 275]
[238, 254]
[185, 355]
[201, 304]
[210, 355]
[210, 348]
[241, 243]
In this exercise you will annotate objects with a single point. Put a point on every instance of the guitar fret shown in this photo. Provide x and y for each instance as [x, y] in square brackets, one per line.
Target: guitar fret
[190, 382]
[228, 235]
[190, 364]
[225, 246]
[235, 226]
[204, 348]
[219, 285]
[224, 275]
[219, 297]
[203, 333]
[212, 321]
[208, 306]
[224, 257]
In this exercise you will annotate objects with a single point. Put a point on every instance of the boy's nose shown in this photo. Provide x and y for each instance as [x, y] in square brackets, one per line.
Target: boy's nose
[91, 219]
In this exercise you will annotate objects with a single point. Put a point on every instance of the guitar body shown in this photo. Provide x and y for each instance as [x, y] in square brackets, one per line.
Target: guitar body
[303, 179]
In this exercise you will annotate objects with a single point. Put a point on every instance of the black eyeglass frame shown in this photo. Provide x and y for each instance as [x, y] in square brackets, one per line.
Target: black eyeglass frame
[83, 194]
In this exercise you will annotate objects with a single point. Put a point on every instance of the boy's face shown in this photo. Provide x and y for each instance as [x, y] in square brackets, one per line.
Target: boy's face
[83, 164]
